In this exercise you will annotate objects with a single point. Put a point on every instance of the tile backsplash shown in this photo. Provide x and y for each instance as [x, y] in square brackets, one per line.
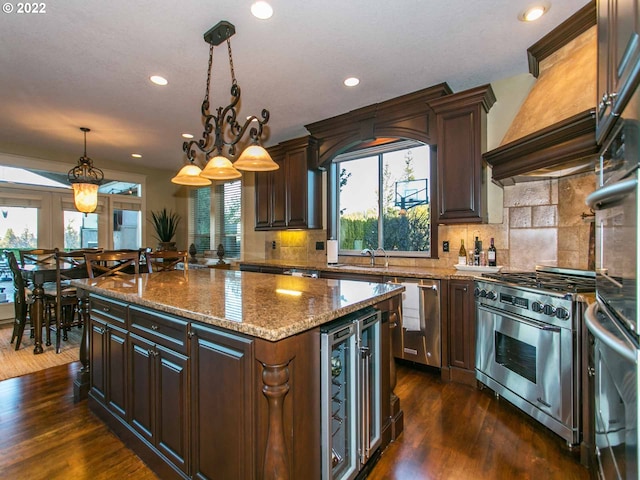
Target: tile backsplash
[542, 224]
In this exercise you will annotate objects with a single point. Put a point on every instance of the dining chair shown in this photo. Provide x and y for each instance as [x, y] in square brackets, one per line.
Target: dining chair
[165, 260]
[112, 263]
[38, 256]
[69, 265]
[22, 300]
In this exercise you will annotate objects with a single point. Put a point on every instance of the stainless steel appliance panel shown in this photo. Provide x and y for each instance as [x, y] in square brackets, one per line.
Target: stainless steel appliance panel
[616, 361]
[616, 205]
[525, 356]
[418, 338]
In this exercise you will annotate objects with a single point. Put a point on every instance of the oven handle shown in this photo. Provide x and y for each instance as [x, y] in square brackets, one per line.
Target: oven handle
[526, 321]
[602, 334]
[599, 199]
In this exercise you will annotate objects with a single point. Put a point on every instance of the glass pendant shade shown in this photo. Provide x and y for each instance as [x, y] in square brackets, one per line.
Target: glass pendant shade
[85, 197]
[255, 159]
[220, 168]
[189, 175]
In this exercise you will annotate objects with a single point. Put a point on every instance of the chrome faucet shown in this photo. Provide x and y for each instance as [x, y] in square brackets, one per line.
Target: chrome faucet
[386, 256]
[371, 253]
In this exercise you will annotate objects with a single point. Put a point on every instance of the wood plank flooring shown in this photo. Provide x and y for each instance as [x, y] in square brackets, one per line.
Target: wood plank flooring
[451, 432]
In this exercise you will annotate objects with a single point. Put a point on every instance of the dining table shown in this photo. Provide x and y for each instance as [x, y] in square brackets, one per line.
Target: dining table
[36, 275]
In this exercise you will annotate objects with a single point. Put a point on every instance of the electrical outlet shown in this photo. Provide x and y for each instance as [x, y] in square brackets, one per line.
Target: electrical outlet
[273, 245]
[445, 246]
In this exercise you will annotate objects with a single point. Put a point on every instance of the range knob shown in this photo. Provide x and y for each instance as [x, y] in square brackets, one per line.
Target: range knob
[491, 295]
[562, 313]
[483, 293]
[537, 307]
[549, 310]
[476, 292]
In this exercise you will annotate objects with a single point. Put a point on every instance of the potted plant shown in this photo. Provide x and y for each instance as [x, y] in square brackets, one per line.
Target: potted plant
[165, 224]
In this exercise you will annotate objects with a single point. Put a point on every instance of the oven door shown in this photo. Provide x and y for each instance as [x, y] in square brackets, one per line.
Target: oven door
[615, 205]
[616, 403]
[526, 358]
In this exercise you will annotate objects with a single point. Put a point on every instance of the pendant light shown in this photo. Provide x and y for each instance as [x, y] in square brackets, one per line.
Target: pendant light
[223, 131]
[85, 180]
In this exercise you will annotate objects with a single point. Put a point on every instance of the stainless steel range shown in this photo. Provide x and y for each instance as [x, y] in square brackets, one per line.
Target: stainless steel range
[527, 348]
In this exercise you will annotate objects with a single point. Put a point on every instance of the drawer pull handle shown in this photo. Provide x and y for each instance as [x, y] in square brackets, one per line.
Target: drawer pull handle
[154, 327]
[105, 309]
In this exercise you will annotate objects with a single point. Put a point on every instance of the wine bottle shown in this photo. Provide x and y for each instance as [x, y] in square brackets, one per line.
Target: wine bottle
[476, 252]
[491, 255]
[462, 254]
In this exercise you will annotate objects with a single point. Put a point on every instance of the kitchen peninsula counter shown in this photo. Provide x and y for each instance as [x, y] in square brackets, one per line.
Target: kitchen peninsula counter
[215, 373]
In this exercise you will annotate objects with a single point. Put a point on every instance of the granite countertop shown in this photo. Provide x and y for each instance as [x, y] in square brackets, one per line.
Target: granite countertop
[271, 307]
[391, 270]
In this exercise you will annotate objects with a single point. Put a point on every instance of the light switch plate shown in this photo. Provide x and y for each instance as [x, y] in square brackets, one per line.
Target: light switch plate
[445, 246]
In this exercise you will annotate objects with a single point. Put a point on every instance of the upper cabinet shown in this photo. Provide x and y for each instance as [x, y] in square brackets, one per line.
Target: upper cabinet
[461, 121]
[618, 59]
[290, 197]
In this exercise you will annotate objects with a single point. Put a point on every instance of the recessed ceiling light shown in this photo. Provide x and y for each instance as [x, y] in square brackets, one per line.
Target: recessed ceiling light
[158, 80]
[136, 155]
[534, 12]
[351, 81]
[261, 10]
[187, 135]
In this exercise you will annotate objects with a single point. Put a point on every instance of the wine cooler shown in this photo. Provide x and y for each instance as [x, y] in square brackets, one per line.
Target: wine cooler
[350, 390]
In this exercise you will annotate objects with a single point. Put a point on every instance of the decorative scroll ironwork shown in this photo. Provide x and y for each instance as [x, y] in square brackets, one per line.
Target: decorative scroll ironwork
[222, 129]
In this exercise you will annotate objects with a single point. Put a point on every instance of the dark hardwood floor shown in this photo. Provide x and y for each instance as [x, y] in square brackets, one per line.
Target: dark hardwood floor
[451, 432]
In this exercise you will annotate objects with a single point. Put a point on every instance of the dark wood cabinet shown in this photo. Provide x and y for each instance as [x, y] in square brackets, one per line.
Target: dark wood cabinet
[618, 59]
[221, 434]
[108, 353]
[159, 410]
[461, 332]
[461, 124]
[290, 197]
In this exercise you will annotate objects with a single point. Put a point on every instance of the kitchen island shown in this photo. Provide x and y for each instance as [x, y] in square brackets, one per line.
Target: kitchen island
[215, 373]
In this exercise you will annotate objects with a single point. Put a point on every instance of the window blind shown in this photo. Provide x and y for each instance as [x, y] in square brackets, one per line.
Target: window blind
[200, 218]
[228, 214]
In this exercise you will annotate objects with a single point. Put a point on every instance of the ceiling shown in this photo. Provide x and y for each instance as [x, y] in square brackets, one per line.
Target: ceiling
[87, 63]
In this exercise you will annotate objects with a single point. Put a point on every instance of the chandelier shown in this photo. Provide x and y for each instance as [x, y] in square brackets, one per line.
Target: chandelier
[223, 131]
[85, 180]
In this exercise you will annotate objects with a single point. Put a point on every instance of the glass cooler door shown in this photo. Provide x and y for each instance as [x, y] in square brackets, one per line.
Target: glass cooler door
[339, 403]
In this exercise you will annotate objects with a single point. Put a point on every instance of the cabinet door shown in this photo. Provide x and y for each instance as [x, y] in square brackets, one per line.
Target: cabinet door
[172, 409]
[279, 185]
[141, 385]
[116, 361]
[263, 199]
[98, 381]
[462, 327]
[618, 59]
[297, 187]
[459, 167]
[221, 402]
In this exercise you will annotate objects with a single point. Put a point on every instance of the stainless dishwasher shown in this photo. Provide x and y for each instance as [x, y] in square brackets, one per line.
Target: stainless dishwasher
[417, 337]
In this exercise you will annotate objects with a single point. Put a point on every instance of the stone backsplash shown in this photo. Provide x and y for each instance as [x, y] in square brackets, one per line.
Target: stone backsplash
[542, 224]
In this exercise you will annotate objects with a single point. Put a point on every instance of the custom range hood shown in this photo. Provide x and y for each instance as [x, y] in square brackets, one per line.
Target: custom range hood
[553, 133]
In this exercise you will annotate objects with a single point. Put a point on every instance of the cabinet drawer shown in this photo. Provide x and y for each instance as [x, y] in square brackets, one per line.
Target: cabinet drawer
[160, 328]
[108, 310]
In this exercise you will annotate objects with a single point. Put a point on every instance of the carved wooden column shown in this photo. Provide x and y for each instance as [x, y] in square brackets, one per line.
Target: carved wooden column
[276, 386]
[81, 383]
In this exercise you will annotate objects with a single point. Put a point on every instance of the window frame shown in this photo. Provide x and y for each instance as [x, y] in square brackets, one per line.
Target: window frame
[354, 153]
